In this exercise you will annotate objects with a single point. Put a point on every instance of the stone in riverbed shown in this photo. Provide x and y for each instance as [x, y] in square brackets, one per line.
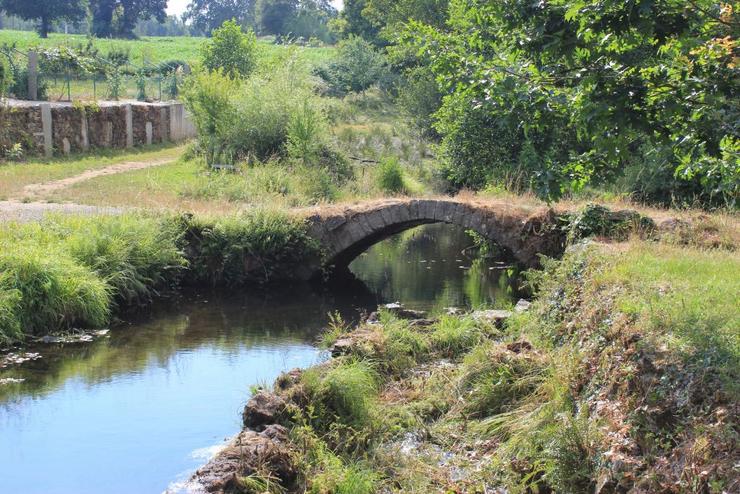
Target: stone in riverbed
[401, 312]
[262, 409]
[522, 305]
[496, 317]
[266, 453]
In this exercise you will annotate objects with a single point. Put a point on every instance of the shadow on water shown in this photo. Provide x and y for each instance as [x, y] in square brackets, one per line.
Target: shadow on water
[145, 405]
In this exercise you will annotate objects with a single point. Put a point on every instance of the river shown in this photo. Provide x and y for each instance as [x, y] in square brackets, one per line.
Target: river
[138, 410]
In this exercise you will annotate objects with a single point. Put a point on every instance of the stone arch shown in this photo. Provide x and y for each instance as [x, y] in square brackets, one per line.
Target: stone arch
[345, 233]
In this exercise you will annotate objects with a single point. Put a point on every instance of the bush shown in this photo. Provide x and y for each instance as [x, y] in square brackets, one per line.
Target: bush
[420, 98]
[306, 133]
[209, 98]
[19, 87]
[357, 67]
[390, 176]
[230, 50]
[6, 77]
[265, 116]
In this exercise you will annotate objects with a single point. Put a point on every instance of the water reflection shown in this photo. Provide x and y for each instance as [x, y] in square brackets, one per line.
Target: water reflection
[436, 266]
[143, 407]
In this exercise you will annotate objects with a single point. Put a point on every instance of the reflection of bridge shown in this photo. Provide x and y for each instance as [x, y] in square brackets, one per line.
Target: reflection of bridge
[346, 231]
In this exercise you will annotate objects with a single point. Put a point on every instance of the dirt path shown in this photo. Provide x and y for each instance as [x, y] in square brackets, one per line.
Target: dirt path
[35, 211]
[39, 190]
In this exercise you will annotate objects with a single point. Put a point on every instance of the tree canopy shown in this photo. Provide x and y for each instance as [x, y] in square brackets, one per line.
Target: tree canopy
[559, 94]
[207, 15]
[45, 11]
[118, 18]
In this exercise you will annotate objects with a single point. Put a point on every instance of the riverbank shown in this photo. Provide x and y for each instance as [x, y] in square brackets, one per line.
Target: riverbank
[622, 376]
[68, 272]
[78, 272]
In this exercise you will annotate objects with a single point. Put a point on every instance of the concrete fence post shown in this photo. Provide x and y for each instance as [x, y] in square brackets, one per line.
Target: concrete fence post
[129, 127]
[33, 76]
[47, 129]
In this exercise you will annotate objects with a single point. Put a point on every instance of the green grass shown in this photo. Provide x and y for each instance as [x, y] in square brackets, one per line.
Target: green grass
[153, 49]
[345, 392]
[70, 272]
[15, 176]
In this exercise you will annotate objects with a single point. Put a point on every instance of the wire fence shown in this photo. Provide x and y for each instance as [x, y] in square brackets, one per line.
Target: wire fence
[63, 75]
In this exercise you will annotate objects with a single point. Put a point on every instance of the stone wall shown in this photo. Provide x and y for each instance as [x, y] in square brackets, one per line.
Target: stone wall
[62, 128]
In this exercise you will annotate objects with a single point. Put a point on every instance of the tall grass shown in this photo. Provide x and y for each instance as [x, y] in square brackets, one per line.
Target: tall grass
[68, 272]
[55, 291]
[346, 392]
[259, 246]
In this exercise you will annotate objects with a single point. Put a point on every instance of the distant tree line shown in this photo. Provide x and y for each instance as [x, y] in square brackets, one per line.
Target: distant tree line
[131, 18]
[102, 18]
[291, 18]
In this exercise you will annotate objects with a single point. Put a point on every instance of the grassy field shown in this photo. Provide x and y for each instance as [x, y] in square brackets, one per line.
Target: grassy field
[150, 49]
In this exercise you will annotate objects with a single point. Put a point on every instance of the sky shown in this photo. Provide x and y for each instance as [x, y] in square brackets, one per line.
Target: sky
[177, 7]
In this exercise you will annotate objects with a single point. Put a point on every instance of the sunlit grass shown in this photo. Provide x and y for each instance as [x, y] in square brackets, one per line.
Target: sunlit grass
[15, 176]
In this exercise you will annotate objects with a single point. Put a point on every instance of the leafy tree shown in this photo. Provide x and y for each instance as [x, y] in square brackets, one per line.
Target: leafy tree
[352, 21]
[118, 18]
[230, 50]
[356, 67]
[312, 19]
[207, 15]
[577, 90]
[45, 11]
[273, 16]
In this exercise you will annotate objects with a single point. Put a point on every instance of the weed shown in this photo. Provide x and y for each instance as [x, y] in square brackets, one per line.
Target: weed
[390, 176]
[455, 335]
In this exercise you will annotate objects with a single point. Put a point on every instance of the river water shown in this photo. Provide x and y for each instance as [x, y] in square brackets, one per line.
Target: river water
[138, 410]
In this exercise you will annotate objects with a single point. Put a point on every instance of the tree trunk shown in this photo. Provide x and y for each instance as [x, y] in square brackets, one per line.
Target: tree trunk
[44, 27]
[102, 18]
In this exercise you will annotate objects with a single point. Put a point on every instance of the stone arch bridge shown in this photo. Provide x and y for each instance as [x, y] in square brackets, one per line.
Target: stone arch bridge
[345, 231]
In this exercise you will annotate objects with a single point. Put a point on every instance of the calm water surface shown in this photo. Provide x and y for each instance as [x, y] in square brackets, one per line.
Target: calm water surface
[139, 410]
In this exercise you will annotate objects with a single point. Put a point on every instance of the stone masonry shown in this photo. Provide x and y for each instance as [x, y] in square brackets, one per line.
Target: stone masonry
[51, 129]
[346, 232]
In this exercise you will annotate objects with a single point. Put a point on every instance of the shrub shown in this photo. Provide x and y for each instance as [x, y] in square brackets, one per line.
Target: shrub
[306, 133]
[208, 97]
[419, 97]
[390, 176]
[6, 77]
[230, 50]
[357, 67]
[317, 185]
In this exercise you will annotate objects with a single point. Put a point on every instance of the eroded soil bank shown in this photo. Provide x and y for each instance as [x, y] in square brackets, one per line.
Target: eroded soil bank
[621, 377]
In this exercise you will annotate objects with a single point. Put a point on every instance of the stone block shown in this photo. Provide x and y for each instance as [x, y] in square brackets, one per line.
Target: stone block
[376, 220]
